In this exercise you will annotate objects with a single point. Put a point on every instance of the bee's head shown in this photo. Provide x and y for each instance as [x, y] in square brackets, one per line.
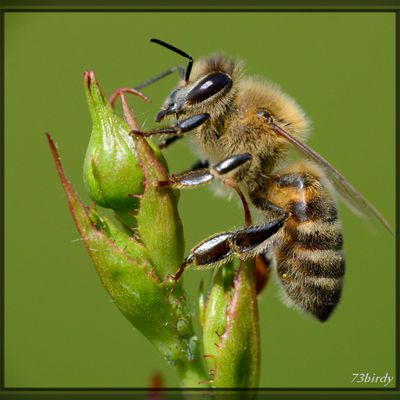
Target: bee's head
[209, 88]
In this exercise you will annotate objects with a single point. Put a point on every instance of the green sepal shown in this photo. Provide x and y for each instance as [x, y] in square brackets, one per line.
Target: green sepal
[238, 361]
[201, 305]
[231, 333]
[214, 320]
[158, 220]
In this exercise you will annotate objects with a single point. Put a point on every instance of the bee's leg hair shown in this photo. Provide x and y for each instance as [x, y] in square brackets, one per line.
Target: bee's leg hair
[223, 245]
[200, 176]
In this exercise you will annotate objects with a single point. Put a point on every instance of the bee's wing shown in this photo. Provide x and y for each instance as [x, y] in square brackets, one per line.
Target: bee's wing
[349, 193]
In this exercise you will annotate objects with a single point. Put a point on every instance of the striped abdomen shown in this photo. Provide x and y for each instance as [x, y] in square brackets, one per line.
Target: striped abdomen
[310, 260]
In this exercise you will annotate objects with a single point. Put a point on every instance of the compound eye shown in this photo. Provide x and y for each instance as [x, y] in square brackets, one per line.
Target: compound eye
[209, 86]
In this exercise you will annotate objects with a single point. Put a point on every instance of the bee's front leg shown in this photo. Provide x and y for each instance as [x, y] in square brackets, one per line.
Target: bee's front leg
[179, 129]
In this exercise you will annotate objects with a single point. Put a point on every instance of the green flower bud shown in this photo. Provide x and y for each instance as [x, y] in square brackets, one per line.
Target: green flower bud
[111, 170]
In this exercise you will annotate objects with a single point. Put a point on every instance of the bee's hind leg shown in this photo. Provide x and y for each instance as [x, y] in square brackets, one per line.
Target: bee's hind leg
[242, 242]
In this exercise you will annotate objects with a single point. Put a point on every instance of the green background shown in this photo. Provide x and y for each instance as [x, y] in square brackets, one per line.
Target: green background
[61, 328]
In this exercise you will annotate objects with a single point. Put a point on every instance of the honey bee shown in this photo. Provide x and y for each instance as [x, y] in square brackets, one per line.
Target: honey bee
[243, 128]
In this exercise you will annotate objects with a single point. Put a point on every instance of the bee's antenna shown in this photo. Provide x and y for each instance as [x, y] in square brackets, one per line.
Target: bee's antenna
[180, 52]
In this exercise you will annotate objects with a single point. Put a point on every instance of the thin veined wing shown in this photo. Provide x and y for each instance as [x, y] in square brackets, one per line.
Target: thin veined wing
[349, 193]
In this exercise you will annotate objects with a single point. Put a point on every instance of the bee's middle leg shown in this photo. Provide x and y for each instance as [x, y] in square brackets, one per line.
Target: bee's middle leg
[196, 177]
[199, 164]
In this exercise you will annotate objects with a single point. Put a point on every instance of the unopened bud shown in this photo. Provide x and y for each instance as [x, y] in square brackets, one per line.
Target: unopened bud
[111, 172]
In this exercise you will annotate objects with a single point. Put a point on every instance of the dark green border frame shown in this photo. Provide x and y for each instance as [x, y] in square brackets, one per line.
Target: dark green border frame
[176, 6]
[195, 5]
